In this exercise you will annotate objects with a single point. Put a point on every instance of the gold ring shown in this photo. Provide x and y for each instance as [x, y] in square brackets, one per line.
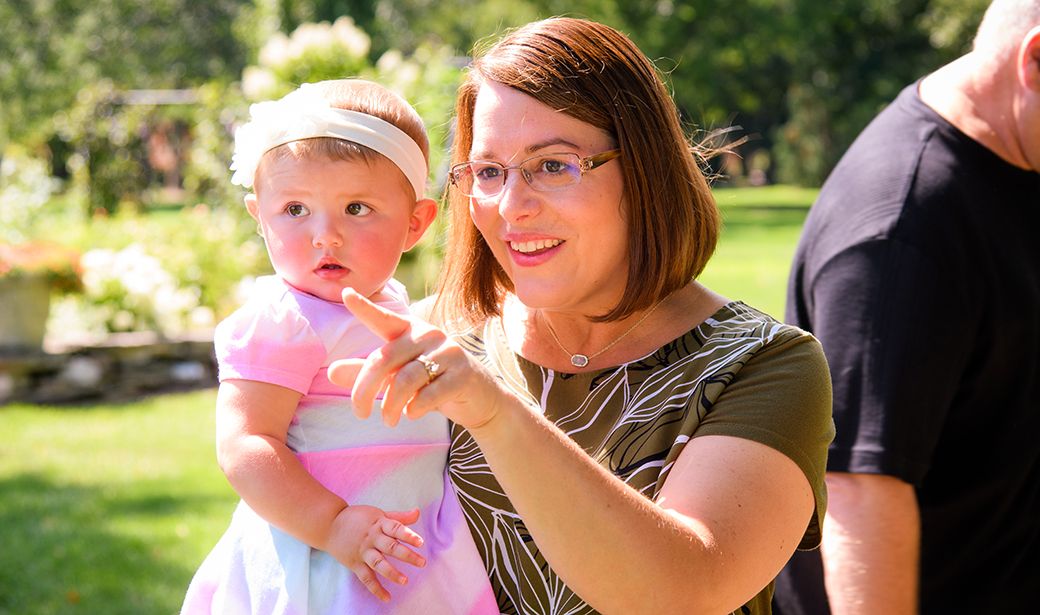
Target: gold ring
[433, 369]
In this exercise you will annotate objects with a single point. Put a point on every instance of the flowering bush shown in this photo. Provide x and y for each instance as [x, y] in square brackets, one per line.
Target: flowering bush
[25, 188]
[180, 275]
[314, 51]
[59, 264]
[130, 290]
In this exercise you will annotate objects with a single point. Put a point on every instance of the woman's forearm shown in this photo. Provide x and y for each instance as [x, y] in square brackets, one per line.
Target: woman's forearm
[615, 548]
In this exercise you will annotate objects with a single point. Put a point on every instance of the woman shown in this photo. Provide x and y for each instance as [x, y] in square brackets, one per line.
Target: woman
[625, 439]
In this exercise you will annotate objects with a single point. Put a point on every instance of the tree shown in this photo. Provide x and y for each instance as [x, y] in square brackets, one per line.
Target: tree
[54, 48]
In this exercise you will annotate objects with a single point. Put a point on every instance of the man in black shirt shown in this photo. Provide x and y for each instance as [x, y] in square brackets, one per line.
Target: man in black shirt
[919, 271]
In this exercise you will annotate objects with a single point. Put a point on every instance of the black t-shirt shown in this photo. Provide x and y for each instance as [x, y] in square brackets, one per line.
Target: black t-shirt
[919, 271]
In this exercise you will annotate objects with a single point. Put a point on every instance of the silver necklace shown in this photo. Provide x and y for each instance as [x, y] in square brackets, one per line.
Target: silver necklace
[581, 360]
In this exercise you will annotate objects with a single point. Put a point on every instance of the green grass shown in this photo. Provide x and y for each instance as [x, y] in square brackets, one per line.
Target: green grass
[109, 508]
[760, 232]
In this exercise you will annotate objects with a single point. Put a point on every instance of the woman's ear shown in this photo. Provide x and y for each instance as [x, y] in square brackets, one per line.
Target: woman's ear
[422, 217]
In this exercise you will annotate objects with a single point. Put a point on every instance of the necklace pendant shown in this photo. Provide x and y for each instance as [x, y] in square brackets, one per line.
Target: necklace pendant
[579, 360]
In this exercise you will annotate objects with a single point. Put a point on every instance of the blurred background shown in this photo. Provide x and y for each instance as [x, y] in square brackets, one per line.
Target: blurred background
[117, 215]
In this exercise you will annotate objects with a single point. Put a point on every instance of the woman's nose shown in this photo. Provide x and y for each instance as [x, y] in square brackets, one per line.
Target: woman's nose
[517, 200]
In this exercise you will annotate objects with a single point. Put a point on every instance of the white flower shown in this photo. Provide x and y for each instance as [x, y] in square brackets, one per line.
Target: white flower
[298, 114]
[258, 82]
[275, 51]
[352, 37]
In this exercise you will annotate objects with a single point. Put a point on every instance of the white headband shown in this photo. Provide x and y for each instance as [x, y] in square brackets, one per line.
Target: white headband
[304, 114]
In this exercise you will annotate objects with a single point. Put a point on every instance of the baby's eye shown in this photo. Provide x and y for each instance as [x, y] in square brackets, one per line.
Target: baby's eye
[296, 210]
[358, 209]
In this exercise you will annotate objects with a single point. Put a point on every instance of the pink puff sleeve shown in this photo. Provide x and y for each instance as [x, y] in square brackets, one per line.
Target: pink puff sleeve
[269, 341]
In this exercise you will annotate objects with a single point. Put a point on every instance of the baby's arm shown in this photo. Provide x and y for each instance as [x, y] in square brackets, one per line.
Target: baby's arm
[252, 422]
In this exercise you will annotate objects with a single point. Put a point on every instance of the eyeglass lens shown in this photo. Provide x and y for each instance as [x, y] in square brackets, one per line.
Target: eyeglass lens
[544, 173]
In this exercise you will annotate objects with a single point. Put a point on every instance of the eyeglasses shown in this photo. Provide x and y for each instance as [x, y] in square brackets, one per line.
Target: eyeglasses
[484, 179]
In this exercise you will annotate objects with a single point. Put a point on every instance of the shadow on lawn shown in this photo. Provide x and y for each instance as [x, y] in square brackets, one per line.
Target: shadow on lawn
[59, 555]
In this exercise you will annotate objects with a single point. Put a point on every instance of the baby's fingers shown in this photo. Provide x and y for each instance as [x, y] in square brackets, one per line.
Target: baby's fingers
[377, 561]
[365, 574]
[395, 525]
[391, 547]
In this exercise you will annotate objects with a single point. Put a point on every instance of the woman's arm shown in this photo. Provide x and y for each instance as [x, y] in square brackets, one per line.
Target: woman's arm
[730, 515]
[731, 512]
[252, 423]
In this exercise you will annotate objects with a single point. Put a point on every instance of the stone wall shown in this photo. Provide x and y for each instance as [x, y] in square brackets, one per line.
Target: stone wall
[118, 368]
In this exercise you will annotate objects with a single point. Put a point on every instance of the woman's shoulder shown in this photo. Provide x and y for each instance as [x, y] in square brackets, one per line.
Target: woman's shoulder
[735, 332]
[738, 319]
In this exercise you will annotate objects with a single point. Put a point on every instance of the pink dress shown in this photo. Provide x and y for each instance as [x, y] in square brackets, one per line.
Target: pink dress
[286, 337]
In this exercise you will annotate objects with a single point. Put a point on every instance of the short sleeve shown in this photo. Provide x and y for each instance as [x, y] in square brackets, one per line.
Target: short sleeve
[888, 318]
[269, 342]
[781, 397]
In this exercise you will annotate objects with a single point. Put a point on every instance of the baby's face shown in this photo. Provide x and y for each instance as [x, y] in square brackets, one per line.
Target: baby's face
[332, 224]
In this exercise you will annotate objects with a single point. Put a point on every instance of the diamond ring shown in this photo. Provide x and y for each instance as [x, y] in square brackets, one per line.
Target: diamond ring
[433, 369]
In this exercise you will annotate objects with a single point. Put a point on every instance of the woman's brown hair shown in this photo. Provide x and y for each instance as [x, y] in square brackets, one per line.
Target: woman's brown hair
[594, 73]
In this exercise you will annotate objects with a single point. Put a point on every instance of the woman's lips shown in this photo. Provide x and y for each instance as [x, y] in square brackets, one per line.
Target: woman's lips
[536, 245]
[533, 252]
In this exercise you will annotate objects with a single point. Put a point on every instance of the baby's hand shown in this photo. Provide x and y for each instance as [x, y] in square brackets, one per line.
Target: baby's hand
[364, 538]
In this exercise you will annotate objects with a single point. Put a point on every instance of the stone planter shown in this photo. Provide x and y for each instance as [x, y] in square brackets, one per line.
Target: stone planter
[24, 305]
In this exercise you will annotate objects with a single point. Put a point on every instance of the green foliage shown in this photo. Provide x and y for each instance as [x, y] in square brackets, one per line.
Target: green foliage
[109, 163]
[851, 58]
[206, 176]
[54, 48]
[108, 508]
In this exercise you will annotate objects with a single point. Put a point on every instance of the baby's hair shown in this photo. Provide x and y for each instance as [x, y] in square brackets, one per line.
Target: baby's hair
[365, 97]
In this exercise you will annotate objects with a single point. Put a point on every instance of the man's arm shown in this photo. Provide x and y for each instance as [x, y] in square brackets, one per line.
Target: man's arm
[871, 544]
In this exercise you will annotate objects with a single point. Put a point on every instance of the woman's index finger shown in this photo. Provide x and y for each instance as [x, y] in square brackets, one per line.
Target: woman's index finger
[383, 322]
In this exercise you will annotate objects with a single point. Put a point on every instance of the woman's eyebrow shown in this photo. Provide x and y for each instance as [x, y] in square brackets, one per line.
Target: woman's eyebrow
[534, 147]
[530, 149]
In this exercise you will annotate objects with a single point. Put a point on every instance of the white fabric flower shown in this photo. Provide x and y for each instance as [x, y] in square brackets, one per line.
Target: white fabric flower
[299, 114]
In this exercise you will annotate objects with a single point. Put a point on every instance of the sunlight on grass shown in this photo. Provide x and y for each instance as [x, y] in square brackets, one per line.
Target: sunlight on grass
[108, 508]
[759, 236]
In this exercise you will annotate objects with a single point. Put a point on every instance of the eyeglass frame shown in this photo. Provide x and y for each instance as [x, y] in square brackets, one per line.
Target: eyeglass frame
[585, 165]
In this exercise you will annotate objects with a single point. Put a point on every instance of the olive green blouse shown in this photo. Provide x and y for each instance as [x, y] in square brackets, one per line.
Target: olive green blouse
[740, 373]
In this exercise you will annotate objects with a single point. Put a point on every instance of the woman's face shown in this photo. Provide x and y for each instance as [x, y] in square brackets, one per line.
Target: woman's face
[564, 250]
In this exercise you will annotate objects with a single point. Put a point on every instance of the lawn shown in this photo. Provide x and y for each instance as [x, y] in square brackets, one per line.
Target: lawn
[109, 509]
[760, 232]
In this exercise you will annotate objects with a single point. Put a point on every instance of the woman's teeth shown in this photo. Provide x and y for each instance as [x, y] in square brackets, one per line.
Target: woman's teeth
[534, 246]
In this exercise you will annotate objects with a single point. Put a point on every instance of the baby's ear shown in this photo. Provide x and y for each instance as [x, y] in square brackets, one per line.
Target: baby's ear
[252, 206]
[422, 217]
